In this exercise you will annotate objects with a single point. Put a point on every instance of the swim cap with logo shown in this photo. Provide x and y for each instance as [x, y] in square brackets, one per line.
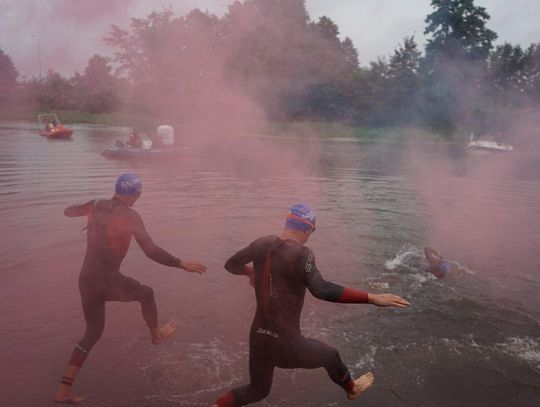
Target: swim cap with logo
[128, 184]
[301, 218]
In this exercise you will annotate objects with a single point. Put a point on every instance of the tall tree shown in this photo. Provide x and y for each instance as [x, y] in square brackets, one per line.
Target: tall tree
[56, 93]
[456, 53]
[350, 54]
[457, 29]
[8, 76]
[533, 71]
[403, 82]
[97, 88]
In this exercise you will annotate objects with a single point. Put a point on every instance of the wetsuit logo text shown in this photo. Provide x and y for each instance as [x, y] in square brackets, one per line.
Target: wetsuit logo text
[267, 332]
[309, 264]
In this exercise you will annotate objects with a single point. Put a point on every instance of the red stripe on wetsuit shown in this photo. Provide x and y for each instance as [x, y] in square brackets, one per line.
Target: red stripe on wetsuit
[352, 296]
[266, 286]
[227, 400]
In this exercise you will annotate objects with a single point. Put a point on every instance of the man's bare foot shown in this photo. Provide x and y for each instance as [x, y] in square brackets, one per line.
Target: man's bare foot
[361, 384]
[162, 333]
[67, 398]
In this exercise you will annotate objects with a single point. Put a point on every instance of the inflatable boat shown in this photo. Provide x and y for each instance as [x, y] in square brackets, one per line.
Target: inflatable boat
[51, 127]
[148, 149]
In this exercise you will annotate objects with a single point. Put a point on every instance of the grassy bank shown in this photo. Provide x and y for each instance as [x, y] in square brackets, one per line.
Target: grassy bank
[8, 113]
[365, 134]
[297, 129]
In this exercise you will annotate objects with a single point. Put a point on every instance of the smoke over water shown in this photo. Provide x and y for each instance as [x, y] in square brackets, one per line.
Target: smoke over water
[467, 340]
[479, 209]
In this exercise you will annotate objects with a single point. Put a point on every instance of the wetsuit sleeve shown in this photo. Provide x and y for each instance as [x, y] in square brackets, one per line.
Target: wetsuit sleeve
[237, 263]
[326, 290]
[150, 249]
[80, 210]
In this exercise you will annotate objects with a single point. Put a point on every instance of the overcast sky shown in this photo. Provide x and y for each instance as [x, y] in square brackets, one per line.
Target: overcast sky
[68, 32]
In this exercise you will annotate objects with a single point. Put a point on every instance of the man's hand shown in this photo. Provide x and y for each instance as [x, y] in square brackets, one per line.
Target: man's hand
[192, 266]
[387, 300]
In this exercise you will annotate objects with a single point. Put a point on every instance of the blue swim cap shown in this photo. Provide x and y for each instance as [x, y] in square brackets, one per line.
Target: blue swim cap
[301, 218]
[445, 266]
[128, 184]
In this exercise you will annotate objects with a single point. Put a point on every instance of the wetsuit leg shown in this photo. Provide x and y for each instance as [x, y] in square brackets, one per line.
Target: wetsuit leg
[307, 353]
[261, 372]
[127, 289]
[94, 315]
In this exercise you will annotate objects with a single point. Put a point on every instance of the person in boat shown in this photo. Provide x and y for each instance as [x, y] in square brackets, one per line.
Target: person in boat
[135, 140]
[111, 225]
[51, 124]
[438, 266]
[283, 267]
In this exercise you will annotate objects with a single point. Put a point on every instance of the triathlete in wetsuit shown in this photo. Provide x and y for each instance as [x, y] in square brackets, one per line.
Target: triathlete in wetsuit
[282, 269]
[438, 266]
[111, 224]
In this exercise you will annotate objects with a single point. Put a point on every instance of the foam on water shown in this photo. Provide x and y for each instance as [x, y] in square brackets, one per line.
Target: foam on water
[408, 257]
[524, 348]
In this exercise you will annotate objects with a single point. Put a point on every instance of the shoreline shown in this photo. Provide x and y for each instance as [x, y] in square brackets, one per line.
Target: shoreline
[300, 129]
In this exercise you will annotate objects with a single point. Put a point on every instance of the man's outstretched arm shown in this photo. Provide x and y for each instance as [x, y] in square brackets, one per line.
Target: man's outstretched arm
[159, 255]
[80, 210]
[332, 292]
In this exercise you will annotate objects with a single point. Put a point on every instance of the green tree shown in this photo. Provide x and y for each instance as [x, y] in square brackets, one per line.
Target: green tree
[350, 55]
[55, 93]
[457, 29]
[8, 76]
[172, 63]
[453, 69]
[97, 88]
[507, 71]
[533, 71]
[403, 82]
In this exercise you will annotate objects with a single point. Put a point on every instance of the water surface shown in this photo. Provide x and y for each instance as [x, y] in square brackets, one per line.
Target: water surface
[471, 339]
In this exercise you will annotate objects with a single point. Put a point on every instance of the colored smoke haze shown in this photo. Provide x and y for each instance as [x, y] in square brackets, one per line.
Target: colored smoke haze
[469, 217]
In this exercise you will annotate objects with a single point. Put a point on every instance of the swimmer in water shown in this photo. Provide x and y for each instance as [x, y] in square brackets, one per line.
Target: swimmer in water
[438, 266]
[111, 225]
[282, 270]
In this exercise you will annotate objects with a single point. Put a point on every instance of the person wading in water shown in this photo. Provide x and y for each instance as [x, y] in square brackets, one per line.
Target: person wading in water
[282, 270]
[111, 224]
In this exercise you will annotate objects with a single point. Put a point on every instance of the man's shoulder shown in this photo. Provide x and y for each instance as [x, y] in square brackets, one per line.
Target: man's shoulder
[264, 240]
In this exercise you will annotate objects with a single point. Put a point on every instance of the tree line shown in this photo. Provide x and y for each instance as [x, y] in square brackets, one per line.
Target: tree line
[271, 54]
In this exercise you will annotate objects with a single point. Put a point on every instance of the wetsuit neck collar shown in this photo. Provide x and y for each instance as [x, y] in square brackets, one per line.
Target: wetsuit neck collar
[294, 236]
[119, 201]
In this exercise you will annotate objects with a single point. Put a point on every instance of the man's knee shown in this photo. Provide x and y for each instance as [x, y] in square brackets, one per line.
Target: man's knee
[146, 293]
[333, 359]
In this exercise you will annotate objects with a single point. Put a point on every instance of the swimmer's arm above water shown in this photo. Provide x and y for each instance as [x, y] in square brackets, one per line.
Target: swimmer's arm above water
[159, 255]
[80, 210]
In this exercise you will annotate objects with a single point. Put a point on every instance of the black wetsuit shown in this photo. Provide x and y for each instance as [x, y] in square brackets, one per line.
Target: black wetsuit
[111, 224]
[282, 271]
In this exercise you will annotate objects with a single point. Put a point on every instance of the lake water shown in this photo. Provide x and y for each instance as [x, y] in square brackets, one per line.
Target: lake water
[471, 339]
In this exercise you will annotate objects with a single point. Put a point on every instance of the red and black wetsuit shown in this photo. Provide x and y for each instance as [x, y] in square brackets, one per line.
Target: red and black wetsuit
[282, 271]
[111, 224]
